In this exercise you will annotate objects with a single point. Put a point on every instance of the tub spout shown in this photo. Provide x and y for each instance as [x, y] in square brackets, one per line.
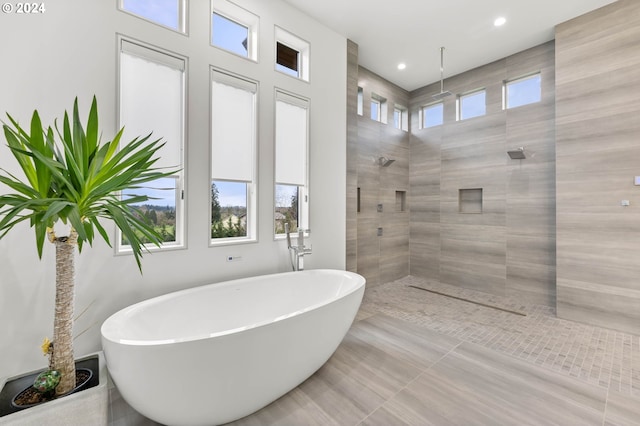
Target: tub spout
[297, 252]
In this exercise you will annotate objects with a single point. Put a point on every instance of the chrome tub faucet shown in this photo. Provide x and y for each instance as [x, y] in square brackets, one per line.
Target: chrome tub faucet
[298, 251]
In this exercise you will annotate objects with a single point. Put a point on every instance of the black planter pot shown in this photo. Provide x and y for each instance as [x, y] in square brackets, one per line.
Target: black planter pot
[13, 388]
[84, 384]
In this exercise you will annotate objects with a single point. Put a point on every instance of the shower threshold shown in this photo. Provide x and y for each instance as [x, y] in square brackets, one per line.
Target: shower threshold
[469, 301]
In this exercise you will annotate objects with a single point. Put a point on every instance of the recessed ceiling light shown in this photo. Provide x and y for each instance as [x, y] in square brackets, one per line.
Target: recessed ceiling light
[402, 66]
[500, 21]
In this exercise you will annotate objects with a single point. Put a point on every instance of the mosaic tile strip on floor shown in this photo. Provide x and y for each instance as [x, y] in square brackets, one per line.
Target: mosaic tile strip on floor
[604, 357]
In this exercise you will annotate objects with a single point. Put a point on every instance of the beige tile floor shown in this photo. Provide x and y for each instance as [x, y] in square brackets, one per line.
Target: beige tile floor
[417, 358]
[603, 357]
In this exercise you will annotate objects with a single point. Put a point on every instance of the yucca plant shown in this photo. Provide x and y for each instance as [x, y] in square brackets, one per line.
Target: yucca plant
[71, 176]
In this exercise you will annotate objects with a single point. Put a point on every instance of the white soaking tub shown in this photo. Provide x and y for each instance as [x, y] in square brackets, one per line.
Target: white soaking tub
[213, 354]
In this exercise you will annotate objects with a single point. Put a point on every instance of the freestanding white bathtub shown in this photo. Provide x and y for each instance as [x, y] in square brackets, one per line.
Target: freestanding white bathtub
[213, 354]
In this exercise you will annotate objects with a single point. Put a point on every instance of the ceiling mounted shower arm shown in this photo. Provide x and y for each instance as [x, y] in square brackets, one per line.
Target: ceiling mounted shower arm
[442, 94]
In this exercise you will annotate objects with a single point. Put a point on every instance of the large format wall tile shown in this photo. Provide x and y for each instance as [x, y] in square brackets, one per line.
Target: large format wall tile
[552, 229]
[508, 249]
[598, 155]
[380, 258]
[352, 155]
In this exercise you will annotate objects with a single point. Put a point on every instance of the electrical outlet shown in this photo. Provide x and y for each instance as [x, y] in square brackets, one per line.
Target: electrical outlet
[233, 258]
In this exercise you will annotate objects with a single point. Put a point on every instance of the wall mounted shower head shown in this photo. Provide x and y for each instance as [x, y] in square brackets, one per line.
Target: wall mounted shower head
[385, 162]
[517, 154]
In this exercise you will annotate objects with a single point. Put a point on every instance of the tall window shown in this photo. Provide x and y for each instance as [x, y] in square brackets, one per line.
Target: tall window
[432, 115]
[472, 105]
[234, 29]
[292, 147]
[169, 13]
[522, 91]
[152, 100]
[360, 100]
[233, 157]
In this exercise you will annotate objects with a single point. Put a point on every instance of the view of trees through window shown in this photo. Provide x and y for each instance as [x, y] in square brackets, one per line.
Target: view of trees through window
[159, 209]
[286, 208]
[228, 209]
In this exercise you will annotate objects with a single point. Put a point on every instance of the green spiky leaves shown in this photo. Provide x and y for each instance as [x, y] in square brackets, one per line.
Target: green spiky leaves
[70, 176]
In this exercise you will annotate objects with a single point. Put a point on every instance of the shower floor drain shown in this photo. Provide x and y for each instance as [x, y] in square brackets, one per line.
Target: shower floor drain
[469, 301]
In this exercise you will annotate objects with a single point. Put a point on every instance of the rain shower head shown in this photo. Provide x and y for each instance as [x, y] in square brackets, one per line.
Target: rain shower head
[385, 162]
[443, 94]
[517, 154]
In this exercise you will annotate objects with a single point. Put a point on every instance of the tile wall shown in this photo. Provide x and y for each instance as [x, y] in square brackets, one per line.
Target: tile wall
[379, 258]
[553, 230]
[598, 156]
[509, 248]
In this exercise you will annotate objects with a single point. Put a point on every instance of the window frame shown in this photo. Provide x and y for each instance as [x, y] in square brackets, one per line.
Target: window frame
[397, 118]
[383, 110]
[507, 83]
[154, 54]
[460, 103]
[242, 17]
[183, 16]
[378, 109]
[304, 219]
[296, 43]
[424, 108]
[241, 82]
[403, 122]
[280, 66]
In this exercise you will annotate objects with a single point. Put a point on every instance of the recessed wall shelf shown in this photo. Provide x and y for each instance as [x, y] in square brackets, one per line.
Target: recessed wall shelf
[401, 201]
[470, 200]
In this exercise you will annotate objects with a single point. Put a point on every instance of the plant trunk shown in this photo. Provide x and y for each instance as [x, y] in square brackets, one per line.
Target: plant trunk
[63, 359]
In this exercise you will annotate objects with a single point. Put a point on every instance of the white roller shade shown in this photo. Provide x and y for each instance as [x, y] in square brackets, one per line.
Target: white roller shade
[233, 121]
[291, 141]
[151, 100]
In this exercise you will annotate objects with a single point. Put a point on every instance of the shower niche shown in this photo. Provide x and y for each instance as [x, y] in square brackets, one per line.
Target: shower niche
[470, 200]
[401, 201]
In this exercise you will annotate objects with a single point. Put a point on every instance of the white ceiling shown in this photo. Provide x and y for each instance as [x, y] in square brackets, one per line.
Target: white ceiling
[412, 31]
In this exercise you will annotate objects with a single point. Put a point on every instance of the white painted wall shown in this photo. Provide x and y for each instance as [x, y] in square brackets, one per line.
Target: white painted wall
[70, 51]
